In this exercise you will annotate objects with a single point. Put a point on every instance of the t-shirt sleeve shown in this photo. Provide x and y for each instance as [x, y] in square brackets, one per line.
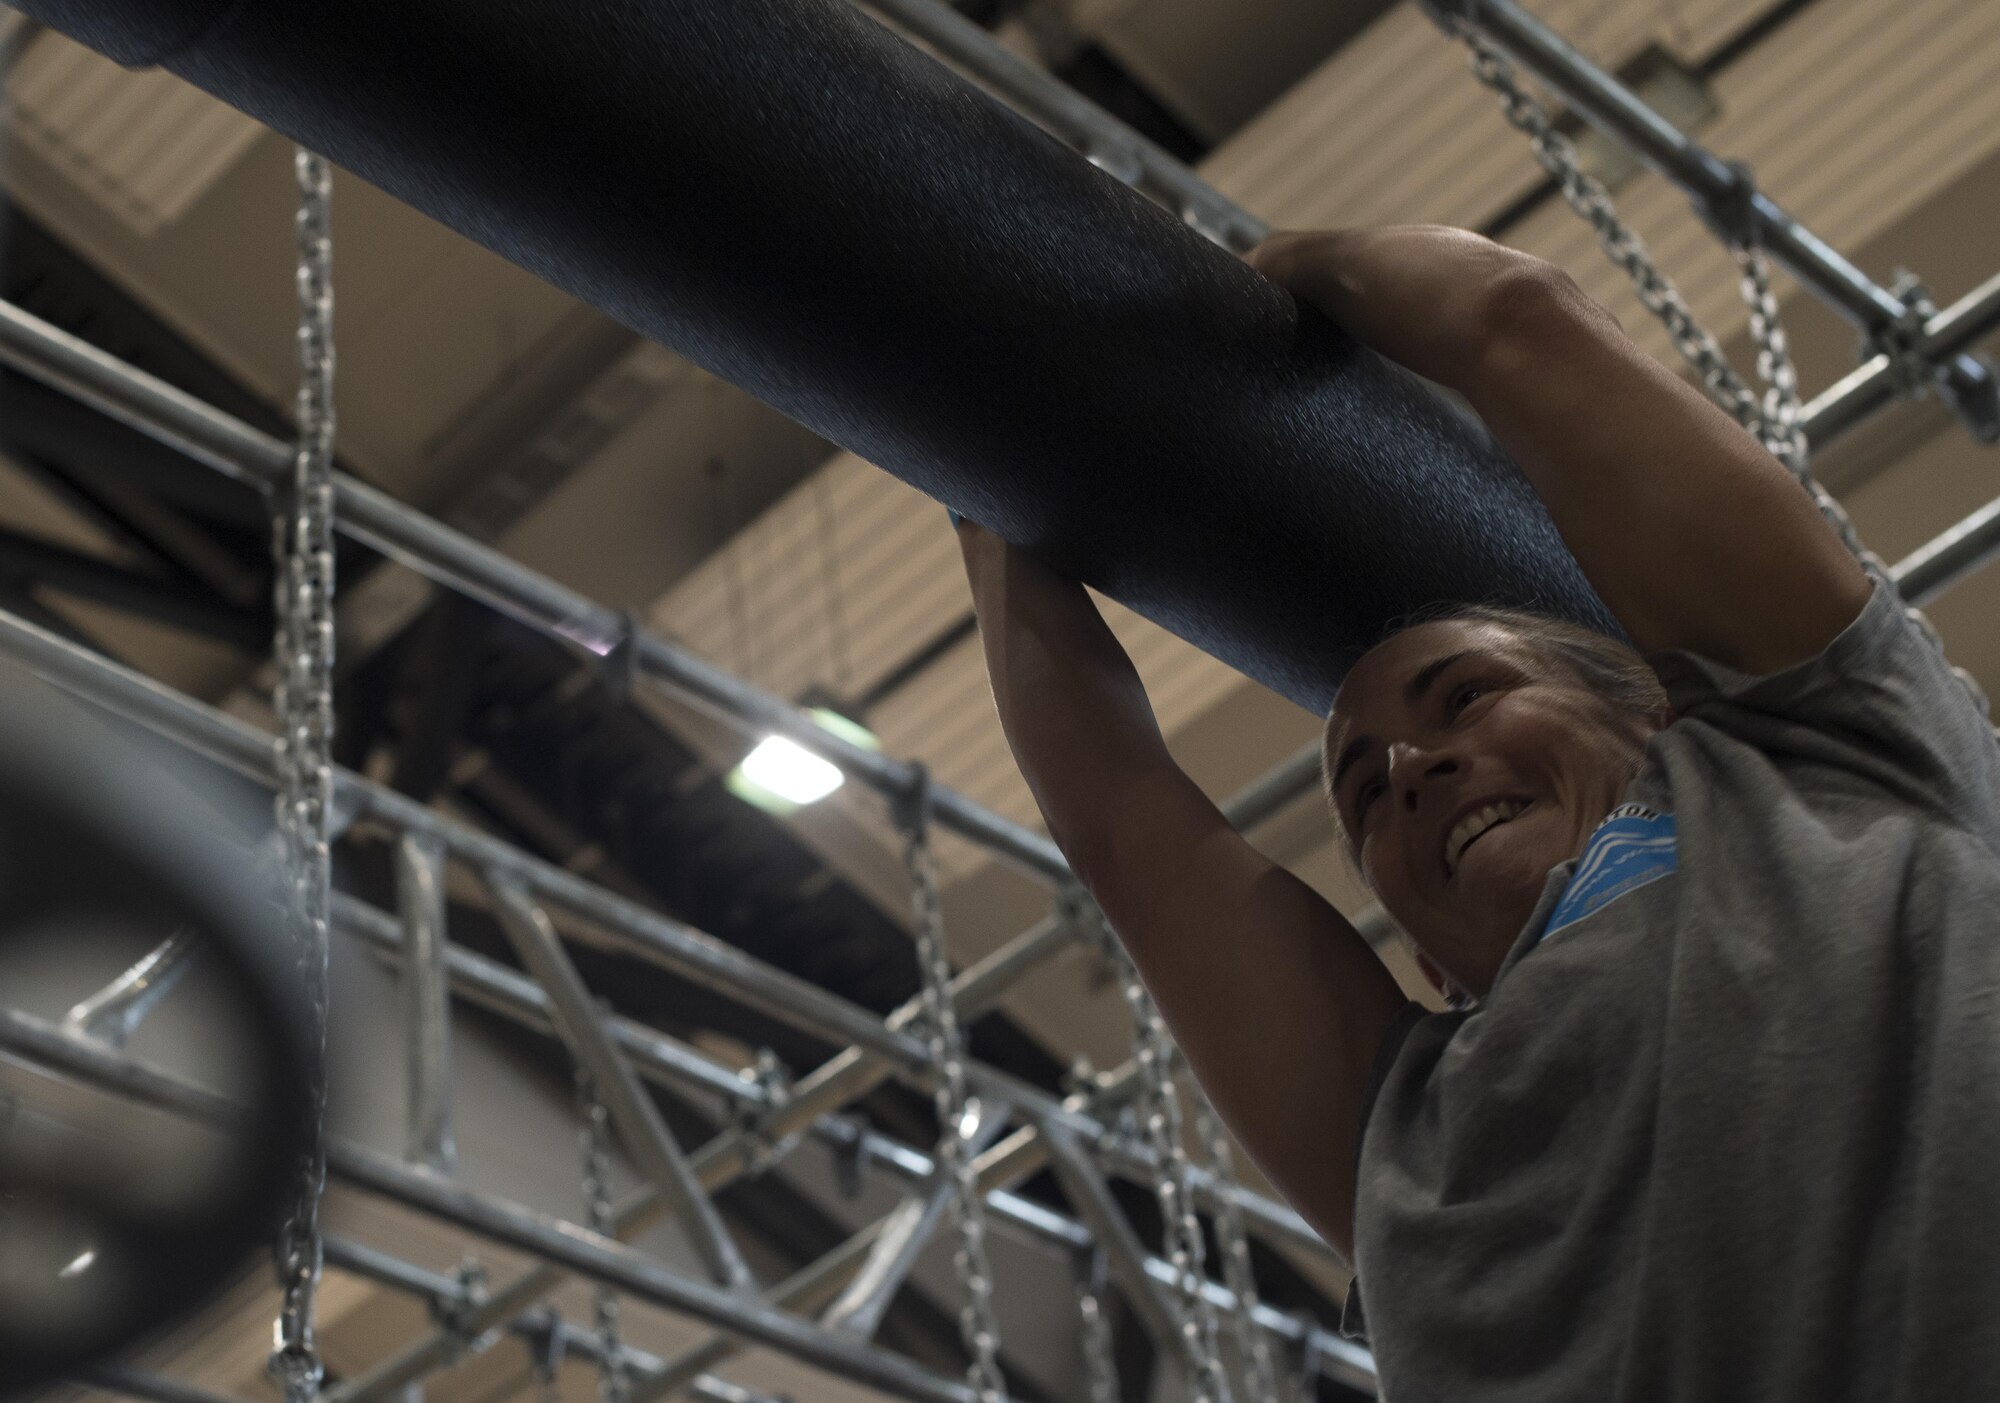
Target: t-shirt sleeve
[1880, 702]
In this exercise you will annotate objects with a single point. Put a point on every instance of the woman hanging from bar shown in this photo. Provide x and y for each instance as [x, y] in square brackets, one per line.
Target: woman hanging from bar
[1715, 1110]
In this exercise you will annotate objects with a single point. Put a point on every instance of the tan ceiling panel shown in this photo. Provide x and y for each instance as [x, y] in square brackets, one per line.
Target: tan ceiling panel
[1394, 128]
[1846, 141]
[144, 143]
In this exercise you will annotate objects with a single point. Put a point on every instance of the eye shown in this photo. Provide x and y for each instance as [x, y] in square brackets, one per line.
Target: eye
[1371, 789]
[1464, 695]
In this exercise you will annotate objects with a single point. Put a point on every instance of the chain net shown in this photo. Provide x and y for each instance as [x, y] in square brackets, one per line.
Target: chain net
[1774, 417]
[614, 1380]
[1252, 1342]
[1159, 1114]
[958, 1112]
[1100, 1360]
[303, 530]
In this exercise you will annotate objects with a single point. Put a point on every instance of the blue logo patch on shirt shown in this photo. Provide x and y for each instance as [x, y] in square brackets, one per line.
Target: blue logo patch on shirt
[1632, 847]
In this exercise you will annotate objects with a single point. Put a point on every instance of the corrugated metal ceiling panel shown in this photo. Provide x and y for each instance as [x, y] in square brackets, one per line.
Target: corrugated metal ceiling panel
[1862, 113]
[145, 143]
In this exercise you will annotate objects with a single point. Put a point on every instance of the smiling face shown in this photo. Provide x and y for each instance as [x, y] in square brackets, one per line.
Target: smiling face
[1464, 761]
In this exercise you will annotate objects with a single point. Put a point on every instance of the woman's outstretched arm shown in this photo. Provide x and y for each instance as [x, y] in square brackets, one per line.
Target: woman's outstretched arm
[1689, 529]
[1277, 1001]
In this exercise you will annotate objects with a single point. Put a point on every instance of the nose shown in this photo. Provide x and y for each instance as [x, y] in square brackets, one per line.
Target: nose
[1411, 767]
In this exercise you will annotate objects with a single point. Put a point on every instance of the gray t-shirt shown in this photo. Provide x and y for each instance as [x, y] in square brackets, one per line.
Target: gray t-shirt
[1728, 1124]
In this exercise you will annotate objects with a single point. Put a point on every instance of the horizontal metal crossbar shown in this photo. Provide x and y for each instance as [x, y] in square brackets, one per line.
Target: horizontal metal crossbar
[234, 743]
[578, 1250]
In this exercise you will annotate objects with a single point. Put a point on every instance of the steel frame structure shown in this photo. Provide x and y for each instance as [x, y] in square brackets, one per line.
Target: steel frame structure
[535, 899]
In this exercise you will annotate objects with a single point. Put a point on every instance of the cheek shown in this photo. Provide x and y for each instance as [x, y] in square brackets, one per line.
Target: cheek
[1538, 729]
[1385, 868]
[1571, 742]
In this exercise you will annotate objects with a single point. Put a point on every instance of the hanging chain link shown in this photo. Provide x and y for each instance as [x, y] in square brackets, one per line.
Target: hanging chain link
[1588, 197]
[614, 1381]
[304, 705]
[958, 1112]
[1100, 1359]
[1773, 417]
[1785, 438]
[1158, 1109]
[1234, 1239]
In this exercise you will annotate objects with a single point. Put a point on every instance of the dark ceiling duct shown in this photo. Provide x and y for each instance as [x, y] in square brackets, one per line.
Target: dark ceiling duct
[807, 206]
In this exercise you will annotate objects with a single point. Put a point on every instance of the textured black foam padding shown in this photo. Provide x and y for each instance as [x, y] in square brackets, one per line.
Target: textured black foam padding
[797, 200]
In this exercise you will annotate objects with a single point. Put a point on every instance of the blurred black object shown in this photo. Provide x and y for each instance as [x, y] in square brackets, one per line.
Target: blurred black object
[120, 1212]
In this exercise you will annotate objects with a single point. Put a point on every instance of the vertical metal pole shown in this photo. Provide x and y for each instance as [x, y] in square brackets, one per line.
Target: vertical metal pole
[426, 1000]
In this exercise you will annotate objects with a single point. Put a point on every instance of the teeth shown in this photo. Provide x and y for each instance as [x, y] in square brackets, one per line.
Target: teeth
[1471, 826]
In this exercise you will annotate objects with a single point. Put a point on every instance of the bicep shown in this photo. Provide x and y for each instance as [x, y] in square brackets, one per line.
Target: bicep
[1276, 1000]
[1692, 533]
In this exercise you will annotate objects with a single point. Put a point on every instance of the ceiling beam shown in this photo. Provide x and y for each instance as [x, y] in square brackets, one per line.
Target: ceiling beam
[177, 603]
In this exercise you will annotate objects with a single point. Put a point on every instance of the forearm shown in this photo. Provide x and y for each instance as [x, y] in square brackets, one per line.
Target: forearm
[1073, 708]
[1257, 976]
[1690, 531]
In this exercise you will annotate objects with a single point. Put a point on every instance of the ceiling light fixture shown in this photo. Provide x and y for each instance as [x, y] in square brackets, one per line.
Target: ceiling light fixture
[781, 776]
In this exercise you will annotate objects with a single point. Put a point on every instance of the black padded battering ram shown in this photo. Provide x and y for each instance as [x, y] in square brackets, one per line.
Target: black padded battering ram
[794, 198]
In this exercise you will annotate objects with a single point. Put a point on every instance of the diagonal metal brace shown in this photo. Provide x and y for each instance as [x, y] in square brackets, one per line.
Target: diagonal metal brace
[806, 1290]
[905, 1231]
[640, 1126]
[1083, 1184]
[113, 1013]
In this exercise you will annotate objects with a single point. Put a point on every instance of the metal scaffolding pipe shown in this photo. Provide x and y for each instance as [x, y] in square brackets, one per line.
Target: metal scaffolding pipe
[48, 1044]
[1600, 98]
[1945, 559]
[1715, 184]
[446, 1294]
[420, 903]
[979, 221]
[233, 741]
[636, 1118]
[1066, 114]
[569, 1245]
[613, 1264]
[446, 557]
[1878, 382]
[675, 946]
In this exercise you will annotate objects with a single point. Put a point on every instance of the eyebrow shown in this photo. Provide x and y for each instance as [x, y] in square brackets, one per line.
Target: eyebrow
[1429, 673]
[1426, 677]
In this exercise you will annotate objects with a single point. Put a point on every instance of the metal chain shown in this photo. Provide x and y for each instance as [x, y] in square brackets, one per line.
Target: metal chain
[1787, 440]
[1774, 416]
[957, 1111]
[1234, 1239]
[1100, 1360]
[614, 1381]
[1159, 1114]
[304, 762]
[1588, 197]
